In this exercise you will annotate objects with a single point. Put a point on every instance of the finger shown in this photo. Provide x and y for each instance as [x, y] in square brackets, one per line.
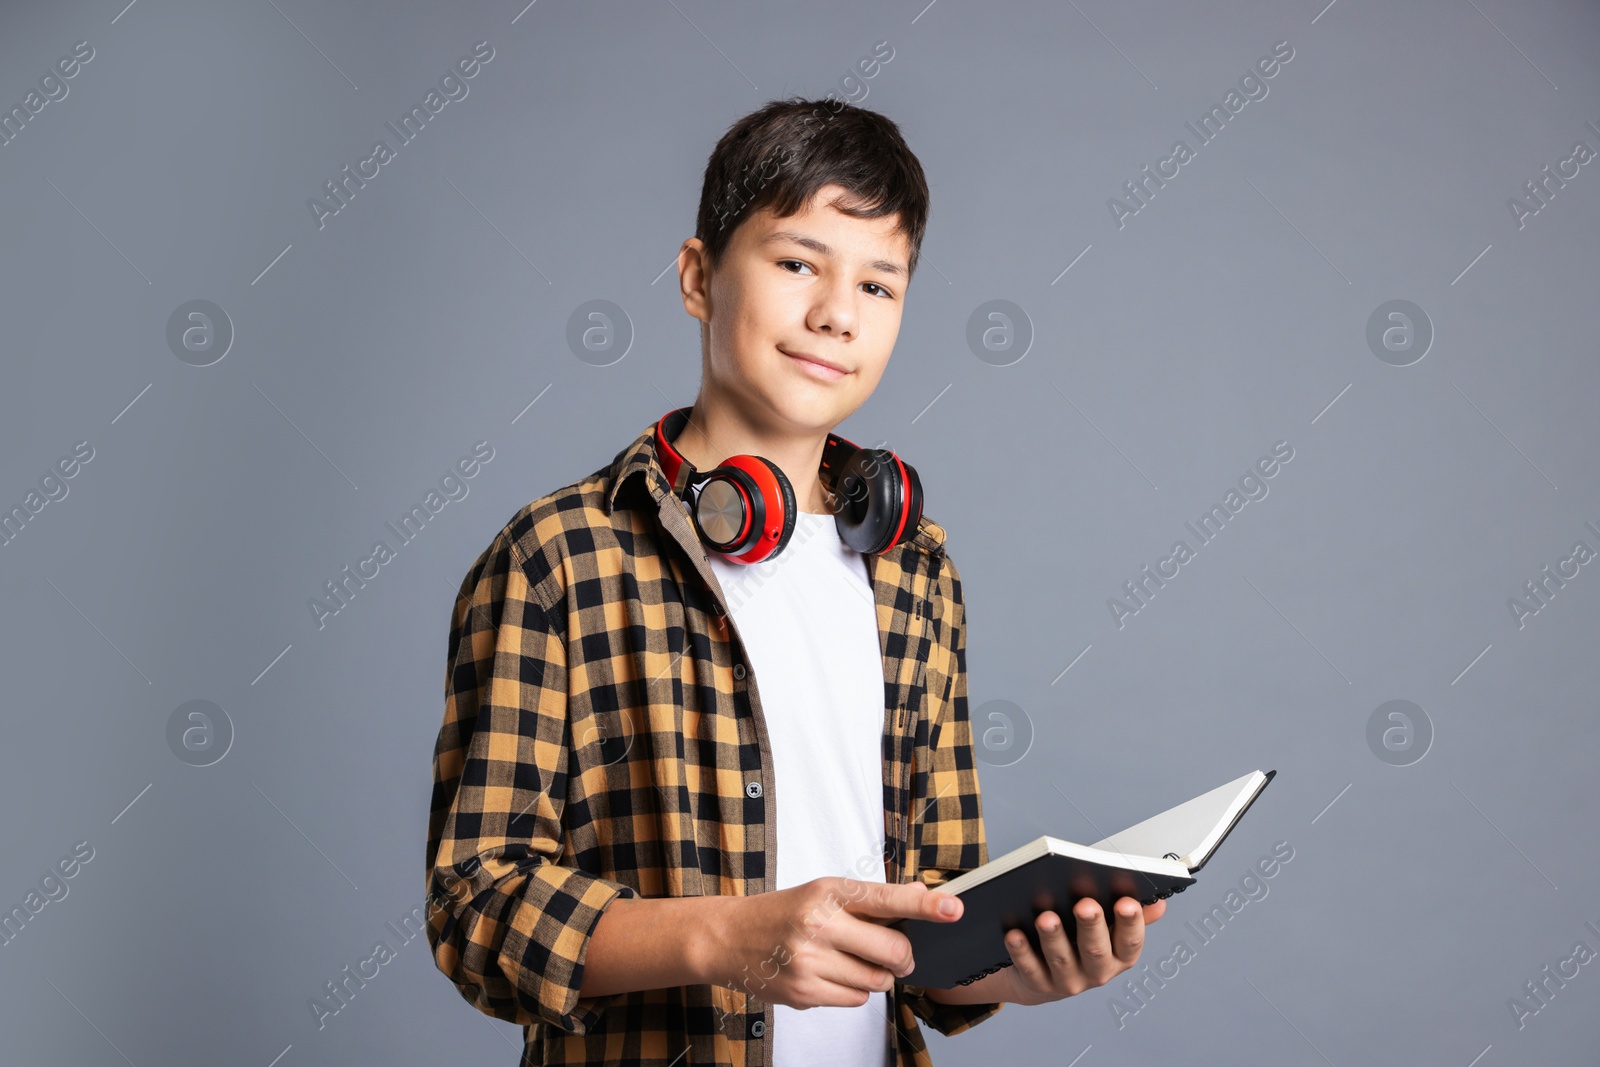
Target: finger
[831, 922]
[1031, 968]
[873, 944]
[872, 915]
[819, 992]
[1152, 912]
[845, 969]
[1058, 952]
[1128, 932]
[909, 900]
[1095, 957]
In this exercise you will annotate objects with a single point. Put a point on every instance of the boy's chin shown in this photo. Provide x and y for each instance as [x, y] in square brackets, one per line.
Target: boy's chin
[814, 414]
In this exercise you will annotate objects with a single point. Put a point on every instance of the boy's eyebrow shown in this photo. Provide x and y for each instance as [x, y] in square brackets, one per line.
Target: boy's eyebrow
[824, 250]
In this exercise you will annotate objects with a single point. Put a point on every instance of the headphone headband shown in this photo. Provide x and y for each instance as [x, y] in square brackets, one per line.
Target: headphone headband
[681, 474]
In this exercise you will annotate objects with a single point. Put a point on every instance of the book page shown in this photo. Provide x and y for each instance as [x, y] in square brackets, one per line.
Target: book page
[1189, 831]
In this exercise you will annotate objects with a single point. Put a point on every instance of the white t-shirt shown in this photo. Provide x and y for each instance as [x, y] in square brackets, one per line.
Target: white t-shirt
[810, 631]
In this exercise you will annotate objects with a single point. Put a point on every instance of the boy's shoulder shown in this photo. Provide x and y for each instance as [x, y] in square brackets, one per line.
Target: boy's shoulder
[581, 518]
[572, 520]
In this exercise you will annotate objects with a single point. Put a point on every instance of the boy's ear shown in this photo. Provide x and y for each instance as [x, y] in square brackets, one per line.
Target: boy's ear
[694, 278]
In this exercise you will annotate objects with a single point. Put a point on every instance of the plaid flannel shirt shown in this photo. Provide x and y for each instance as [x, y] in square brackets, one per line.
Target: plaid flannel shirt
[603, 737]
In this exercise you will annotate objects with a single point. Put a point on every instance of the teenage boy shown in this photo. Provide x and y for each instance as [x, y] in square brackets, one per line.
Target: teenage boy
[633, 851]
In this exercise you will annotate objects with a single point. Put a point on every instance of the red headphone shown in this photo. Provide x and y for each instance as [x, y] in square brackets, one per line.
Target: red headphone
[744, 509]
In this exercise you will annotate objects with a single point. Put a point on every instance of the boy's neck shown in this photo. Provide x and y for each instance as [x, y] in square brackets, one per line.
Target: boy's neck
[716, 431]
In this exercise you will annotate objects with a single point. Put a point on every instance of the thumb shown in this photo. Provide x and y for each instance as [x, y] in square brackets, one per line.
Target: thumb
[908, 900]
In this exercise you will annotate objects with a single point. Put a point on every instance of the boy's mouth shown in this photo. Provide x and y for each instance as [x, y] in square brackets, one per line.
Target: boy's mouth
[816, 366]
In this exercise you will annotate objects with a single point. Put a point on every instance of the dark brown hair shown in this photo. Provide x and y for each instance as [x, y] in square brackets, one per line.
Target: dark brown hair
[779, 157]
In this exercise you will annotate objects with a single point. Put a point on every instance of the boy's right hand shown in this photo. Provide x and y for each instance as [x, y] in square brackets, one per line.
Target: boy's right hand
[823, 943]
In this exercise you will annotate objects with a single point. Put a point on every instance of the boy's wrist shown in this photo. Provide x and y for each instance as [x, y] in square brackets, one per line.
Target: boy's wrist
[706, 950]
[998, 987]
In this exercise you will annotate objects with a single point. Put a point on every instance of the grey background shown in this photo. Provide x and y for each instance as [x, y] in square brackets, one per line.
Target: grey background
[1227, 315]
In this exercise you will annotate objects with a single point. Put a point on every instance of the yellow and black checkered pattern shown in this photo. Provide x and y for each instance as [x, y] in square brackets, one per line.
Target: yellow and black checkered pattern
[603, 736]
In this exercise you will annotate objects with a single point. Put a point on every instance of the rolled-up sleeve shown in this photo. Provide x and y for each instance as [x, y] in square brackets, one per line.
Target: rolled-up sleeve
[508, 925]
[952, 839]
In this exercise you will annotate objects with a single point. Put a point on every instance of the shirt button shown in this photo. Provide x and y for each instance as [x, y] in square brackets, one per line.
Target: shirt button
[738, 671]
[757, 1028]
[752, 789]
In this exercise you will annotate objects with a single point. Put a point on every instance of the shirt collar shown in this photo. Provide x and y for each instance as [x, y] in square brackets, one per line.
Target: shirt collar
[640, 459]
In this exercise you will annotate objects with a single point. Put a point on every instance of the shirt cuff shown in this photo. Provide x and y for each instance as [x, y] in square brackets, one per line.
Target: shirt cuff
[548, 941]
[948, 1019]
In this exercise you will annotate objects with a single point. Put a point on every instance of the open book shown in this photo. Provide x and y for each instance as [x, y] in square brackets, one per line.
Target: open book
[1148, 861]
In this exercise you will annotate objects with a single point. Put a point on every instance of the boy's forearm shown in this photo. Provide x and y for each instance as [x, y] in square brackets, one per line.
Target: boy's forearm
[665, 942]
[653, 943]
[990, 989]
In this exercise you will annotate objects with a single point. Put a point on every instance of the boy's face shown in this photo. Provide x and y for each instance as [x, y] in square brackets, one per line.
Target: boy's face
[819, 283]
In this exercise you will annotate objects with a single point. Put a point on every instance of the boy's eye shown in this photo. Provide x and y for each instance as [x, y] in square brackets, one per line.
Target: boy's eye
[878, 290]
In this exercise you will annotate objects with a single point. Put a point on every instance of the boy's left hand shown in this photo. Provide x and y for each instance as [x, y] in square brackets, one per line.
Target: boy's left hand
[1103, 951]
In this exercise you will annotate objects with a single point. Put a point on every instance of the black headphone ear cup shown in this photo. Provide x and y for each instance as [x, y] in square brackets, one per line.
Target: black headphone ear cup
[913, 502]
[872, 497]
